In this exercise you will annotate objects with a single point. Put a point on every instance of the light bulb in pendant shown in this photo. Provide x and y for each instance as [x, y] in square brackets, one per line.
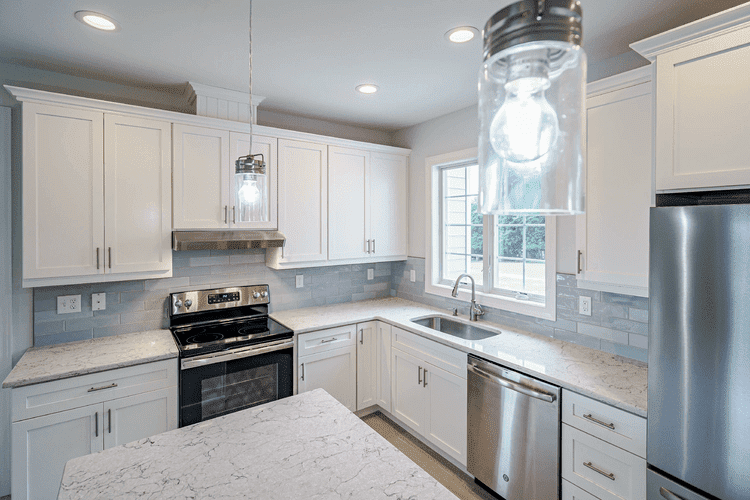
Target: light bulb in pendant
[248, 193]
[525, 127]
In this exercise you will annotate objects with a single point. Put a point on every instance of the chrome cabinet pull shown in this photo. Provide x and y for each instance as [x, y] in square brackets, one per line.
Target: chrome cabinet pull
[226, 214]
[580, 270]
[329, 340]
[234, 215]
[96, 424]
[110, 386]
[369, 246]
[373, 245]
[594, 468]
[97, 257]
[303, 371]
[424, 377]
[419, 375]
[109, 253]
[361, 336]
[109, 417]
[668, 494]
[588, 416]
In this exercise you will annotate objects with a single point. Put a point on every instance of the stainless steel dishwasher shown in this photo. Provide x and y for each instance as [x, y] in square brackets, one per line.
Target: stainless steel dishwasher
[513, 432]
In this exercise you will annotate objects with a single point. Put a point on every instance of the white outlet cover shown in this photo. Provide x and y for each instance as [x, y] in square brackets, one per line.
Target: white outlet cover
[370, 274]
[413, 276]
[300, 280]
[98, 301]
[68, 304]
[584, 305]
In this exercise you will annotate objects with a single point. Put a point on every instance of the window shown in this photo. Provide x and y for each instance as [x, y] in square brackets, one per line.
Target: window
[511, 258]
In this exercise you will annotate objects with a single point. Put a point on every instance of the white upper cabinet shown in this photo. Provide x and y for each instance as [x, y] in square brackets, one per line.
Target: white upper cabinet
[200, 192]
[137, 191]
[63, 192]
[348, 203]
[96, 193]
[613, 234]
[303, 201]
[388, 205]
[702, 73]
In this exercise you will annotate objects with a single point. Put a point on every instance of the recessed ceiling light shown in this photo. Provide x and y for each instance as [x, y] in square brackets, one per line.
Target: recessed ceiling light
[462, 34]
[97, 20]
[367, 88]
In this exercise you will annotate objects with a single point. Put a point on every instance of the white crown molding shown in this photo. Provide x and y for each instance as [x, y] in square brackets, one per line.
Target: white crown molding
[620, 81]
[192, 89]
[324, 139]
[695, 32]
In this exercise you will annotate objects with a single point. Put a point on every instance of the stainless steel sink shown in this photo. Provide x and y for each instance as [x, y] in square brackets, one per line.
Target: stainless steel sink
[455, 328]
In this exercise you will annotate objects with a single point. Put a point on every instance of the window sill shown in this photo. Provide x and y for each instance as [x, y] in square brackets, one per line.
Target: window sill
[525, 307]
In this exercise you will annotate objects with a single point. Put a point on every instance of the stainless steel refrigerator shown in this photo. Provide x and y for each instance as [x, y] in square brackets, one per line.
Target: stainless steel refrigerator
[699, 352]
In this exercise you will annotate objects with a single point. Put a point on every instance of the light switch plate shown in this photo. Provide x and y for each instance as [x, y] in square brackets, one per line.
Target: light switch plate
[584, 305]
[370, 274]
[68, 304]
[413, 276]
[98, 301]
[300, 280]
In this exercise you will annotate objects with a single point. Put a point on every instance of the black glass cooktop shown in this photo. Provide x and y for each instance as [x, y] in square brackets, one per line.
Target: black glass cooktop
[202, 338]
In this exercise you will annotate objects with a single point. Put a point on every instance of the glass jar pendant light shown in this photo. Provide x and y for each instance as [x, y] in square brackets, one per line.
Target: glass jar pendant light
[531, 109]
[251, 184]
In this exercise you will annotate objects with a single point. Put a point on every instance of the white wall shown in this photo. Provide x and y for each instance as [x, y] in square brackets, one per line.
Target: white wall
[447, 133]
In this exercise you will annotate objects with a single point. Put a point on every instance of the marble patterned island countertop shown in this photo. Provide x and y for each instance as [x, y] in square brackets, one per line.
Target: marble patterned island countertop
[44, 364]
[596, 374]
[307, 446]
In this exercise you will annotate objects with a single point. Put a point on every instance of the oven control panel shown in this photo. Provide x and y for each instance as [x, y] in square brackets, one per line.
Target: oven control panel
[219, 298]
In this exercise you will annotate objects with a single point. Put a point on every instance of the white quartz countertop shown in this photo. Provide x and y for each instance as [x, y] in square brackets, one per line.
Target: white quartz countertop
[599, 375]
[307, 446]
[44, 364]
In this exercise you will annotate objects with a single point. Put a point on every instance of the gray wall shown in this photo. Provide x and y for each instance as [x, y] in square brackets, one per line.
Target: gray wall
[142, 305]
[618, 323]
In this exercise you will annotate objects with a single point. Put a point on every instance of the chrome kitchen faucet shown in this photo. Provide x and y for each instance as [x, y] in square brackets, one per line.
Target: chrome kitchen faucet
[475, 310]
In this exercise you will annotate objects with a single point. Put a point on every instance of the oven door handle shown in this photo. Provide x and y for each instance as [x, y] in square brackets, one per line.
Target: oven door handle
[224, 356]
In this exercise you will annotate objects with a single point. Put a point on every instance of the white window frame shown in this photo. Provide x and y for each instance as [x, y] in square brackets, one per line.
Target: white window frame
[436, 286]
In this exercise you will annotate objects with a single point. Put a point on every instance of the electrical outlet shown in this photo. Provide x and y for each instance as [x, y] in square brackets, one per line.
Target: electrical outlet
[584, 305]
[370, 274]
[68, 304]
[300, 280]
[413, 276]
[98, 301]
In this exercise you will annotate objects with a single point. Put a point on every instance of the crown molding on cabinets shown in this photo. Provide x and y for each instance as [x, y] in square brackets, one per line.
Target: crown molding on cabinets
[695, 32]
[330, 141]
[620, 81]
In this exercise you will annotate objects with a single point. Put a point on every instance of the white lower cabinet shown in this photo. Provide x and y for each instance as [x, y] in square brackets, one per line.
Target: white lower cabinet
[43, 443]
[334, 370]
[409, 395]
[572, 492]
[374, 365]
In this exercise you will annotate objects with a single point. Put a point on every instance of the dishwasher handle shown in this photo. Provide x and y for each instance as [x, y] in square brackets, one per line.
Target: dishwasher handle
[513, 386]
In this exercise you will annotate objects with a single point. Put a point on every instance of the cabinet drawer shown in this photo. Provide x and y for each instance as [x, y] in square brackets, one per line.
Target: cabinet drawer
[620, 476]
[614, 426]
[449, 359]
[326, 340]
[59, 395]
[572, 492]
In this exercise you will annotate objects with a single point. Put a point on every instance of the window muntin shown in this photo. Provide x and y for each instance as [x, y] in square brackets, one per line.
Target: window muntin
[462, 228]
[520, 256]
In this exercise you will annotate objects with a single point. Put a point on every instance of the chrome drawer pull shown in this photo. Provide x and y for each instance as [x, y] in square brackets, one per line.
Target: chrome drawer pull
[424, 377]
[329, 340]
[109, 417]
[96, 424]
[669, 495]
[597, 421]
[419, 375]
[110, 386]
[594, 468]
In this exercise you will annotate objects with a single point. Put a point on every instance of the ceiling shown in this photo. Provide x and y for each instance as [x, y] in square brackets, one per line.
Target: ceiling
[307, 56]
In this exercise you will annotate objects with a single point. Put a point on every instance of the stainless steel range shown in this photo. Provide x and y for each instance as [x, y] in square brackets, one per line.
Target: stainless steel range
[232, 355]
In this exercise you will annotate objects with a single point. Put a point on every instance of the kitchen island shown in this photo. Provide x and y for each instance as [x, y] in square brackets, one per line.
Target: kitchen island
[306, 446]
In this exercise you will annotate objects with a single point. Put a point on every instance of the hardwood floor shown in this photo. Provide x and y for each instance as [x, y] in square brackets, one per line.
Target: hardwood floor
[447, 474]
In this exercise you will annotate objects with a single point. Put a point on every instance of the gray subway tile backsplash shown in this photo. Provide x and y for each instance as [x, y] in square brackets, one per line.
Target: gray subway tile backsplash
[619, 323]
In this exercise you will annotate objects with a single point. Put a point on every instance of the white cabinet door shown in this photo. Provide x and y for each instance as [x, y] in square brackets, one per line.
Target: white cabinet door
[200, 176]
[348, 203]
[140, 416]
[409, 396]
[388, 214]
[42, 446]
[702, 110]
[383, 382]
[303, 200]
[367, 364]
[613, 234]
[239, 145]
[335, 371]
[446, 414]
[137, 190]
[63, 191]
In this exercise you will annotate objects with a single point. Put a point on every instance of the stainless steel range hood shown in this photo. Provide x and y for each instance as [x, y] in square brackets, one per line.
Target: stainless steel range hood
[226, 240]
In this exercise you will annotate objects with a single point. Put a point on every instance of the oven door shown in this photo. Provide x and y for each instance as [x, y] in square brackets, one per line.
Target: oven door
[219, 383]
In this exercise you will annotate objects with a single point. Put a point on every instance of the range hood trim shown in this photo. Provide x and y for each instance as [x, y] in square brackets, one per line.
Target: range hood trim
[226, 240]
